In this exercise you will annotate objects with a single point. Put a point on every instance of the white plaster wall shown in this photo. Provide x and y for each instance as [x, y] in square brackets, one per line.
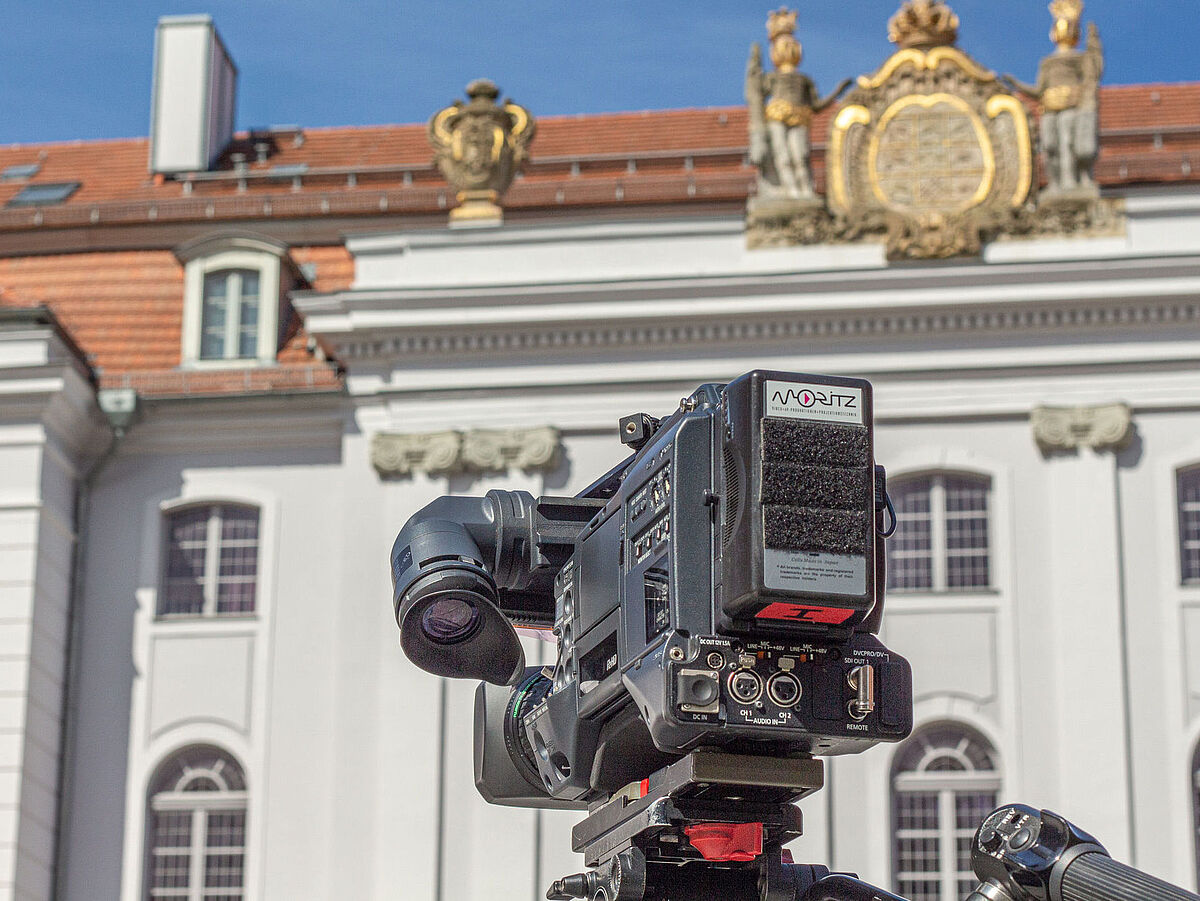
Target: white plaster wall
[343, 740]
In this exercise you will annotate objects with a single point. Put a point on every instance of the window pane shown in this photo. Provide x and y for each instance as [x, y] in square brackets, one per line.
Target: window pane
[916, 810]
[238, 560]
[248, 314]
[233, 563]
[910, 566]
[970, 808]
[966, 532]
[1189, 525]
[924, 890]
[187, 543]
[918, 855]
[213, 315]
[170, 857]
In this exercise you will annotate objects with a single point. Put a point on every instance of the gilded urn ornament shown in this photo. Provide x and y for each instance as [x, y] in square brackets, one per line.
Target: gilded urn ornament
[1067, 92]
[782, 104]
[478, 146]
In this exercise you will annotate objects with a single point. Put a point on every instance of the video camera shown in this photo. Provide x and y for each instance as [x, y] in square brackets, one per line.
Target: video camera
[718, 590]
[714, 599]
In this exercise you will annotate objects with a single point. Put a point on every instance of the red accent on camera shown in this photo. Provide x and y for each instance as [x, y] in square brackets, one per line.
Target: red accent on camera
[726, 841]
[805, 613]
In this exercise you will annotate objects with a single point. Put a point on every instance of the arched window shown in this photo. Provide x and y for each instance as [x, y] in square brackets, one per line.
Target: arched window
[211, 564]
[942, 540]
[945, 780]
[1189, 526]
[196, 835]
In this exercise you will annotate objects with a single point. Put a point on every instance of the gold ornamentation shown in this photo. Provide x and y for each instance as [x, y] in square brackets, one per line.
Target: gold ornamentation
[923, 24]
[781, 22]
[927, 60]
[1065, 31]
[931, 153]
[998, 105]
[786, 51]
[1061, 97]
[937, 169]
[478, 146]
[790, 114]
[847, 117]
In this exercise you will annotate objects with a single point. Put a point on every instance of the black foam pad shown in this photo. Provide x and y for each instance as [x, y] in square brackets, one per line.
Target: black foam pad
[816, 529]
[815, 443]
[848, 488]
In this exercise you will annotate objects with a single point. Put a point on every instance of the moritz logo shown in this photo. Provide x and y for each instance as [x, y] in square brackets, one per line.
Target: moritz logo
[806, 398]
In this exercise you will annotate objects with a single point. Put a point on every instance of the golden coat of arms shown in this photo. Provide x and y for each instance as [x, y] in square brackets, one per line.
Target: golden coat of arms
[932, 153]
[932, 145]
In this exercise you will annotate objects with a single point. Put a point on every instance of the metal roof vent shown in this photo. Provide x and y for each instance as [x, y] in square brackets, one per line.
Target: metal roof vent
[195, 92]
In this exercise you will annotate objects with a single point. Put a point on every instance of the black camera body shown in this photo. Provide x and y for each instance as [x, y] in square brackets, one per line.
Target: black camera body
[718, 590]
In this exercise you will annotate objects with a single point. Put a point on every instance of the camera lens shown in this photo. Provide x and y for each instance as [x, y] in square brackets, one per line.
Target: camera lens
[450, 619]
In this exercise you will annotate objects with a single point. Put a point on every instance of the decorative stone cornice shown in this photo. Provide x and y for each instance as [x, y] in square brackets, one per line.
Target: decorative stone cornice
[475, 450]
[913, 324]
[1103, 427]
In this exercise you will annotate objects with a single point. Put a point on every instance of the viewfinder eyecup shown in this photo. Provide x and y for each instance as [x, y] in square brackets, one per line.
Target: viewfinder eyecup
[451, 626]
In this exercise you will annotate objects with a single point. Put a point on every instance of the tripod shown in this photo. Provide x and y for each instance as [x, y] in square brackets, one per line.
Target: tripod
[711, 827]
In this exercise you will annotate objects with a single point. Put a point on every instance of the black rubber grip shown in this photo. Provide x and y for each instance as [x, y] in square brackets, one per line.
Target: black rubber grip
[1097, 877]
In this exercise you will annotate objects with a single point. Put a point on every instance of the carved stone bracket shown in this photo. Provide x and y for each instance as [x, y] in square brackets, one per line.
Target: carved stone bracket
[492, 450]
[434, 453]
[475, 450]
[1103, 427]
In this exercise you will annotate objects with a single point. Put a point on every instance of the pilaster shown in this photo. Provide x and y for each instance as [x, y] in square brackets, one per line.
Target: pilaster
[50, 433]
[1085, 608]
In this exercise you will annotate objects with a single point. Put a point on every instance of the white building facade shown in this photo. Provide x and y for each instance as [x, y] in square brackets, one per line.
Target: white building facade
[257, 725]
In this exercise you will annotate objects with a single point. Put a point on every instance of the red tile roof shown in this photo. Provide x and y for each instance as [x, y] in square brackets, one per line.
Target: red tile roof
[125, 307]
[1150, 134]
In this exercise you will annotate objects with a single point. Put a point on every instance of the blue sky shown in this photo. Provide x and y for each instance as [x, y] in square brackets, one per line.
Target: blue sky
[72, 69]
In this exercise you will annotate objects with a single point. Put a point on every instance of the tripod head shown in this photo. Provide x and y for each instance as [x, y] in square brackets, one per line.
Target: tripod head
[713, 826]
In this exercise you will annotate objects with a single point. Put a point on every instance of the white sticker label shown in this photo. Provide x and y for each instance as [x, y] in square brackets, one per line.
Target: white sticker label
[815, 572]
[824, 403]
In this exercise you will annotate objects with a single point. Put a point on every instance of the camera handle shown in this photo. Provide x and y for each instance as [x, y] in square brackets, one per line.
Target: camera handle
[1021, 853]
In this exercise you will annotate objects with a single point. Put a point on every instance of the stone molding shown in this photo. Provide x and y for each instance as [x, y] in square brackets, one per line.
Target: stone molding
[1101, 427]
[475, 450]
[904, 324]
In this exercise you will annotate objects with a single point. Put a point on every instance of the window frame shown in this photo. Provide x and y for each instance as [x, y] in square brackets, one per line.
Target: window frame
[947, 785]
[212, 556]
[1182, 474]
[200, 804]
[227, 251]
[939, 551]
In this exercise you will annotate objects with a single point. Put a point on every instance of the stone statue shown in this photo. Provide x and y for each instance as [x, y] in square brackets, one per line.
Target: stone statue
[478, 146]
[1067, 90]
[782, 105]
